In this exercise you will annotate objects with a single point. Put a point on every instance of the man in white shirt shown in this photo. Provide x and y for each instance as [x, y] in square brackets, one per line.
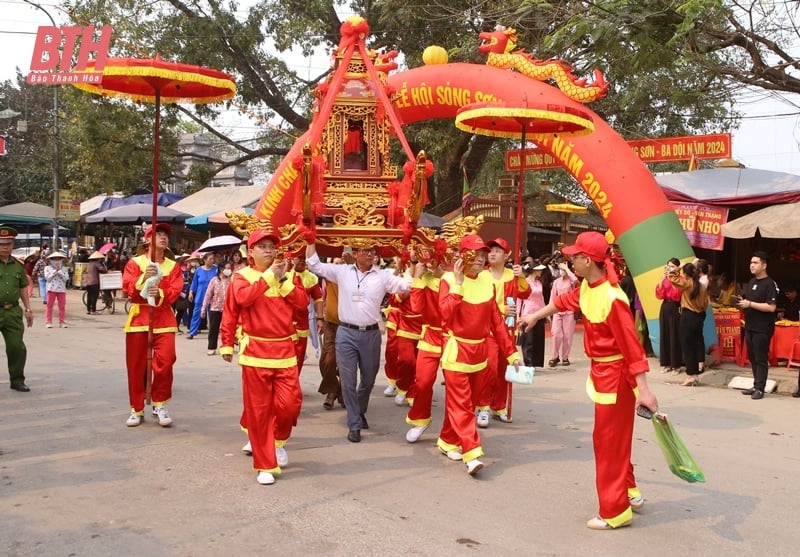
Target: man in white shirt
[362, 288]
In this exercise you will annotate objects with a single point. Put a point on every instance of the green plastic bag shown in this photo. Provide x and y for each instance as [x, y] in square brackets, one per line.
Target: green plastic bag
[678, 459]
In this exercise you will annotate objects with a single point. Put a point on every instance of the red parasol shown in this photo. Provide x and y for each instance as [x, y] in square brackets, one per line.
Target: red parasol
[157, 81]
[505, 120]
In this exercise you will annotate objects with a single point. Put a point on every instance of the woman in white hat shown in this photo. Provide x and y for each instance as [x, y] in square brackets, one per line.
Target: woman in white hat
[56, 277]
[96, 268]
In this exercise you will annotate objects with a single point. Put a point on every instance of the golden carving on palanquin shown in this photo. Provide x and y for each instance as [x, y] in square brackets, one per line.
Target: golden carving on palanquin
[339, 200]
[358, 211]
[243, 224]
[455, 230]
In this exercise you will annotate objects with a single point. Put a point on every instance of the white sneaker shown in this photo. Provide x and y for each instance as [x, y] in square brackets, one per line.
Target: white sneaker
[134, 419]
[63, 325]
[282, 456]
[400, 400]
[503, 417]
[163, 416]
[636, 502]
[248, 449]
[452, 455]
[391, 390]
[415, 433]
[265, 478]
[483, 418]
[474, 466]
[49, 325]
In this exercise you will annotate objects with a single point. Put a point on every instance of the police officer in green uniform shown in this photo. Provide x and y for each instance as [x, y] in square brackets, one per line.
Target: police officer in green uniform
[13, 286]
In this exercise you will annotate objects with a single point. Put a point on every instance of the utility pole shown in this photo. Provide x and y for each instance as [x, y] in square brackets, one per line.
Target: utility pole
[56, 149]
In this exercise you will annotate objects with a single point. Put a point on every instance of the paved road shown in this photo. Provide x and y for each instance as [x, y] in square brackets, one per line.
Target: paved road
[76, 481]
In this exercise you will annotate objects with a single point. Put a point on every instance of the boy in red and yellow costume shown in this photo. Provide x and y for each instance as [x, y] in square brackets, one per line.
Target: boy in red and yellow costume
[263, 301]
[509, 284]
[427, 275]
[469, 314]
[616, 382]
[137, 283]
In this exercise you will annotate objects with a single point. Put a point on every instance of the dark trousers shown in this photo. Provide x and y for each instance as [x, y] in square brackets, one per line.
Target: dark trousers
[691, 328]
[92, 294]
[532, 344]
[357, 353]
[327, 361]
[758, 352]
[12, 328]
[669, 321]
[214, 319]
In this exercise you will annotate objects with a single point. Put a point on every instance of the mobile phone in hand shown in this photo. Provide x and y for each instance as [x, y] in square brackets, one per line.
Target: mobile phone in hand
[644, 412]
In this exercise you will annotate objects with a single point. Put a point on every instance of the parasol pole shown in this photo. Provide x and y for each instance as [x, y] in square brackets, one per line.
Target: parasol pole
[518, 238]
[148, 385]
[520, 191]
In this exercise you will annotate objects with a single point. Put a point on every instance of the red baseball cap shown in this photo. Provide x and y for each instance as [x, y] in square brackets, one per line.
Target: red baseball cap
[261, 233]
[500, 243]
[472, 242]
[160, 227]
[591, 244]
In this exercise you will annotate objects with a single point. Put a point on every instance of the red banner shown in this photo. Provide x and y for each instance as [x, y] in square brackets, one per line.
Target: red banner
[663, 149]
[666, 149]
[702, 224]
[728, 325]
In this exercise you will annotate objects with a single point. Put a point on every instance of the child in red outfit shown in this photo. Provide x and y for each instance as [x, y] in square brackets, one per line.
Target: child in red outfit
[469, 314]
[616, 382]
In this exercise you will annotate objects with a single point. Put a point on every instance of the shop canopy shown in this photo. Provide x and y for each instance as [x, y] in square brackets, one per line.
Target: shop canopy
[28, 209]
[731, 187]
[164, 200]
[219, 198]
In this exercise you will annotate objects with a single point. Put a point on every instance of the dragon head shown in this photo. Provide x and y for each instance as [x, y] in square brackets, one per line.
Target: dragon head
[499, 41]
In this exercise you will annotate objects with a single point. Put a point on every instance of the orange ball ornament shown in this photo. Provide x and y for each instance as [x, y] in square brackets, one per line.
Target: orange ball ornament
[434, 55]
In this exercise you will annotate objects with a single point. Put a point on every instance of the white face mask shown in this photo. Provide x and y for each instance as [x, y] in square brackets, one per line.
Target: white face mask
[227, 272]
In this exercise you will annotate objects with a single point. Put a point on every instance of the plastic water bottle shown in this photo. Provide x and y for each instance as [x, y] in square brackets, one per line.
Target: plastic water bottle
[510, 319]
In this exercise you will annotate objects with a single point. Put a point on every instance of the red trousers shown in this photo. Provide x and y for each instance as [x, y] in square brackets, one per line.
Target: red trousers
[300, 347]
[406, 363]
[612, 438]
[136, 360]
[421, 391]
[458, 427]
[494, 389]
[272, 399]
[390, 356]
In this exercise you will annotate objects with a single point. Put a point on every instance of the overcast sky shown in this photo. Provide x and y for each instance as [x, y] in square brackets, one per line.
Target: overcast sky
[769, 136]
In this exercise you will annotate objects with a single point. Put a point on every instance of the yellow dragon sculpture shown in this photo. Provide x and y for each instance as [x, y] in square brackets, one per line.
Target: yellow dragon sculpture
[499, 44]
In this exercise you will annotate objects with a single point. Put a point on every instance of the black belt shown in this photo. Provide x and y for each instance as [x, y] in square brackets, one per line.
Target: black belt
[10, 306]
[358, 327]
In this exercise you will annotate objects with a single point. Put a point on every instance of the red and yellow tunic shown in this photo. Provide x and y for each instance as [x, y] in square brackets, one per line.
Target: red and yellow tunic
[169, 288]
[425, 302]
[509, 286]
[265, 307]
[609, 335]
[469, 314]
